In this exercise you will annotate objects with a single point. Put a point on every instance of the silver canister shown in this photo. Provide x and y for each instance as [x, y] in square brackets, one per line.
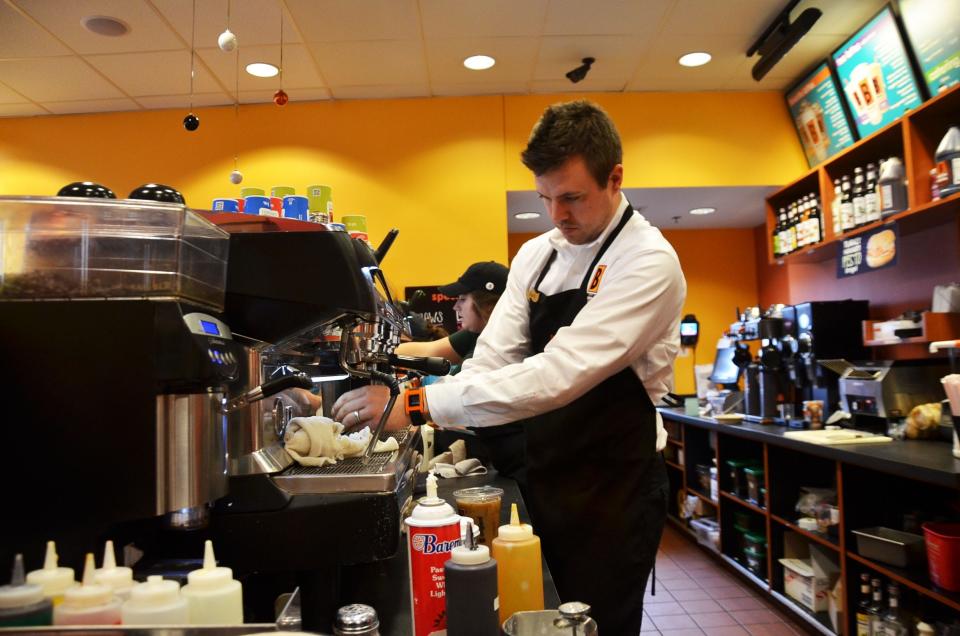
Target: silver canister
[570, 619]
[355, 620]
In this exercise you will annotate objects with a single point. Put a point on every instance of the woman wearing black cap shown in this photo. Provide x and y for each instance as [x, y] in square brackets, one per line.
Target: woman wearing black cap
[477, 292]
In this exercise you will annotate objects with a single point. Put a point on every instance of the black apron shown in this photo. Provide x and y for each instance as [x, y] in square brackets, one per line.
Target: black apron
[596, 487]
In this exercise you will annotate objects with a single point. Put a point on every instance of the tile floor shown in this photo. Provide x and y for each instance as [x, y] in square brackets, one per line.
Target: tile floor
[698, 596]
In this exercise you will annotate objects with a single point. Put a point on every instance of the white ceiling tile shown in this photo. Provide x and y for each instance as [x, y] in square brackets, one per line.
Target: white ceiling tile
[154, 73]
[20, 36]
[9, 96]
[604, 17]
[183, 101]
[617, 57]
[841, 18]
[254, 22]
[90, 106]
[491, 18]
[53, 79]
[589, 85]
[257, 97]
[308, 94]
[393, 91]
[21, 110]
[344, 20]
[747, 18]
[299, 70]
[514, 56]
[659, 69]
[148, 32]
[377, 63]
[443, 89]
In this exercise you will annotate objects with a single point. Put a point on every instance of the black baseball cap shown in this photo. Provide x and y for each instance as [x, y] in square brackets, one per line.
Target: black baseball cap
[489, 276]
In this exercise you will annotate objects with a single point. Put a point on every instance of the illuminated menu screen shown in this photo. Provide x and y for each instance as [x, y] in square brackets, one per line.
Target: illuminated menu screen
[818, 115]
[875, 74]
[933, 28]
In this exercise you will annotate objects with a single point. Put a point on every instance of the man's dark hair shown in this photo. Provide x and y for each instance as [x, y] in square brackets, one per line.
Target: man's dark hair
[574, 128]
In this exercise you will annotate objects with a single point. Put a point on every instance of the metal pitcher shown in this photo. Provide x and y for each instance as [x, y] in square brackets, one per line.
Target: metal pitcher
[569, 620]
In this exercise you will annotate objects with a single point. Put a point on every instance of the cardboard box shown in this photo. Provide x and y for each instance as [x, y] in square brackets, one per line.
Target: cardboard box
[835, 607]
[808, 573]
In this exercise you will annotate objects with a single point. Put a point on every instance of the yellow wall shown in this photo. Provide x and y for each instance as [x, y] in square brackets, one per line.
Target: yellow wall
[438, 169]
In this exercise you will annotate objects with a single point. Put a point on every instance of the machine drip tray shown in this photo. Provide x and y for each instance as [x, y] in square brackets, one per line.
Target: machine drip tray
[384, 472]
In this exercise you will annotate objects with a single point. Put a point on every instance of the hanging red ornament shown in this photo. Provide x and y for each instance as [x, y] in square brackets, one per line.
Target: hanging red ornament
[280, 98]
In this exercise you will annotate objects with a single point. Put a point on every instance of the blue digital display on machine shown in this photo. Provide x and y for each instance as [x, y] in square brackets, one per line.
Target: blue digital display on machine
[210, 327]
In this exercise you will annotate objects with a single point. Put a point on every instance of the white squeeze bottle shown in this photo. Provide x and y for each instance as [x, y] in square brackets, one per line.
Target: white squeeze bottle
[119, 579]
[54, 580]
[156, 602]
[213, 596]
[89, 604]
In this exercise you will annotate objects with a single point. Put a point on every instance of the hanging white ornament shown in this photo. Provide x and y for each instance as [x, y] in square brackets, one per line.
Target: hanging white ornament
[227, 41]
[236, 177]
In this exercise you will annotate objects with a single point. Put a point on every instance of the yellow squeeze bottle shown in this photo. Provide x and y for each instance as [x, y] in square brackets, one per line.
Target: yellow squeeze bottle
[519, 567]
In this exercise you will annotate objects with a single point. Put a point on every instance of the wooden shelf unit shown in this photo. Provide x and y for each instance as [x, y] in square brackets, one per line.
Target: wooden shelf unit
[934, 326]
[913, 138]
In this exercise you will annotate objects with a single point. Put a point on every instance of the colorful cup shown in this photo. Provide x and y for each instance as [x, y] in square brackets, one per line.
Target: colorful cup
[282, 191]
[251, 192]
[240, 203]
[276, 204]
[321, 199]
[225, 205]
[360, 235]
[296, 207]
[355, 222]
[255, 204]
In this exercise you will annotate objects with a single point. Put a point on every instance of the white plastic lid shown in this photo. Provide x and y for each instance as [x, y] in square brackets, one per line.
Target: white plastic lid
[950, 143]
[89, 594]
[515, 531]
[120, 579]
[465, 556]
[18, 593]
[156, 591]
[209, 577]
[54, 580]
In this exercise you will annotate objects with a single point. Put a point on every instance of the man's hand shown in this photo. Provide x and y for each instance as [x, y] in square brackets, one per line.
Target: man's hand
[362, 407]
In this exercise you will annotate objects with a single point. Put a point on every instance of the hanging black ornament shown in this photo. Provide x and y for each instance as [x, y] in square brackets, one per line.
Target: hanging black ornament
[191, 122]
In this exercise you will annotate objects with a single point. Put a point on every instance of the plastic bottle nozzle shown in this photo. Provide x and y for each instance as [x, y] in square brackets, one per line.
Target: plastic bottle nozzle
[88, 568]
[515, 531]
[514, 515]
[431, 486]
[209, 562]
[109, 560]
[17, 577]
[50, 560]
[90, 593]
[120, 579]
[469, 540]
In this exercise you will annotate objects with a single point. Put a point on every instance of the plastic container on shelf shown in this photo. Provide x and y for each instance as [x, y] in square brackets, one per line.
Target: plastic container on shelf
[754, 540]
[756, 560]
[738, 480]
[754, 479]
[213, 596]
[22, 604]
[894, 547]
[156, 602]
[59, 247]
[947, 158]
[53, 579]
[708, 532]
[119, 579]
[943, 554]
[703, 478]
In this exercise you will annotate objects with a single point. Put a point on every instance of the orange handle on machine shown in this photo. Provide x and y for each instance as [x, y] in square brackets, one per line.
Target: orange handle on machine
[944, 344]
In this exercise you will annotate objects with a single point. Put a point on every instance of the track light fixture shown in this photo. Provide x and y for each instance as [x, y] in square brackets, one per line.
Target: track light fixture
[781, 36]
[581, 71]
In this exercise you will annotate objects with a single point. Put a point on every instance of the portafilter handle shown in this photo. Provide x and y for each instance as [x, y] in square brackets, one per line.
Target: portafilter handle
[299, 380]
[428, 365]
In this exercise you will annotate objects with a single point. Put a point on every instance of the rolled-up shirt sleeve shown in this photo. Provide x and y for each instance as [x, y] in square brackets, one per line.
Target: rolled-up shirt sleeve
[642, 294]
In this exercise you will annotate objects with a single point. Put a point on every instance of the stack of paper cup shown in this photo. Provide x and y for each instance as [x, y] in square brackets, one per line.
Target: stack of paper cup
[356, 225]
[321, 203]
[951, 385]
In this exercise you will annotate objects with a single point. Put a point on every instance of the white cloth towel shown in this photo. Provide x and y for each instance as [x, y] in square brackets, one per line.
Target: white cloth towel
[470, 466]
[318, 441]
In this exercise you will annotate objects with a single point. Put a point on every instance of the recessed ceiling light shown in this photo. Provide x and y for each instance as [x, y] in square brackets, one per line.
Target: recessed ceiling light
[105, 25]
[479, 62]
[262, 69]
[698, 58]
[523, 216]
[702, 211]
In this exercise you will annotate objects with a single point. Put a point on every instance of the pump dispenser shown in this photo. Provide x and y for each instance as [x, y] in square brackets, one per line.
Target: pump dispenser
[156, 602]
[213, 596]
[433, 530]
[54, 580]
[89, 604]
[519, 567]
[22, 604]
[119, 579]
[471, 580]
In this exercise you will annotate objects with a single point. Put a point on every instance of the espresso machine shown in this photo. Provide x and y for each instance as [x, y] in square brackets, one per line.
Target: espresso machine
[151, 379]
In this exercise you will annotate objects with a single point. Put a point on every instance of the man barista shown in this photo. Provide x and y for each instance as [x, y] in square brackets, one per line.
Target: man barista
[579, 348]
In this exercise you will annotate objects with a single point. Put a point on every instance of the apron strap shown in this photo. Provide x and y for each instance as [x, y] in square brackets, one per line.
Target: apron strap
[545, 269]
[627, 214]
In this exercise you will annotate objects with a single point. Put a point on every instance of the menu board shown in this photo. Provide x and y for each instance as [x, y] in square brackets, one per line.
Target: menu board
[876, 249]
[818, 115]
[874, 71]
[933, 28]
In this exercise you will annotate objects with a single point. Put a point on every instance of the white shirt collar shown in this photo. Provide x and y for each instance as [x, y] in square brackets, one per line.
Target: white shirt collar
[560, 243]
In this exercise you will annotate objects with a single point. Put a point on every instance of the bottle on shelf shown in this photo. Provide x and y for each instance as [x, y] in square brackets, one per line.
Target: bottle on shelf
[471, 589]
[782, 224]
[156, 602]
[871, 202]
[816, 220]
[863, 606]
[88, 604]
[893, 188]
[119, 579]
[775, 236]
[55, 580]
[792, 228]
[859, 215]
[948, 162]
[519, 567]
[213, 596]
[22, 604]
[875, 610]
[846, 205]
[835, 207]
[892, 622]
